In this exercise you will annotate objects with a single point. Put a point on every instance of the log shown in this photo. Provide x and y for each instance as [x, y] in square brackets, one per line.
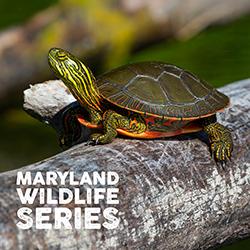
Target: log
[172, 194]
[75, 25]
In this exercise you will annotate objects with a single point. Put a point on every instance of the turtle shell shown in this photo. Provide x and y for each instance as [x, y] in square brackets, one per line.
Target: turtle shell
[160, 89]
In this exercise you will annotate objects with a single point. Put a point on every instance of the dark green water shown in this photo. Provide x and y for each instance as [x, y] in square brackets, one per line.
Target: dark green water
[15, 12]
[23, 139]
[219, 55]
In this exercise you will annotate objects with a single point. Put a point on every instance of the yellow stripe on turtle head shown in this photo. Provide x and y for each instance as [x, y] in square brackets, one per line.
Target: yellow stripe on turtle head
[76, 76]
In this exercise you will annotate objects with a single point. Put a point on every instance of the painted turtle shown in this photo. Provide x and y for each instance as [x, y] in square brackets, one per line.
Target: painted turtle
[143, 100]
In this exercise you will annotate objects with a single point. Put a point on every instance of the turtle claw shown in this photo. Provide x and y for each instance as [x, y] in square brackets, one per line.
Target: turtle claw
[89, 143]
[221, 151]
[100, 138]
[221, 141]
[95, 139]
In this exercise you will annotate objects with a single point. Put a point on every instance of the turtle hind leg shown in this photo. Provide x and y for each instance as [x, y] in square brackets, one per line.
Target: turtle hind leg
[112, 121]
[71, 130]
[220, 138]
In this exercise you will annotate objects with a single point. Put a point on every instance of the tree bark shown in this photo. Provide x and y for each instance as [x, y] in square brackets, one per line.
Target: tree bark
[172, 194]
[102, 30]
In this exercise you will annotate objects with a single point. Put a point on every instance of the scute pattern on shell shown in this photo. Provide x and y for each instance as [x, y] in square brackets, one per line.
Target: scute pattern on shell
[160, 89]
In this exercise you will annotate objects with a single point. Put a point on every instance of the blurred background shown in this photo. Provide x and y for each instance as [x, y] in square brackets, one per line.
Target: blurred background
[210, 38]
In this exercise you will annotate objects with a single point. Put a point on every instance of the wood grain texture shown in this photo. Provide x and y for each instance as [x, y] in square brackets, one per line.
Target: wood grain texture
[172, 194]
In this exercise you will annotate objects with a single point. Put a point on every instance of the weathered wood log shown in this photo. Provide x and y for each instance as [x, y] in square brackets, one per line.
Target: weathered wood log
[75, 25]
[172, 194]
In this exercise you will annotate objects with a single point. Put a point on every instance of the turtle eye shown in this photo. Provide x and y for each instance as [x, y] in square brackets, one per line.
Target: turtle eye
[61, 55]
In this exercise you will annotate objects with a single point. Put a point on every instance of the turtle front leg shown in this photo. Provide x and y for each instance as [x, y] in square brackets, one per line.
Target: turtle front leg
[112, 121]
[220, 138]
[95, 116]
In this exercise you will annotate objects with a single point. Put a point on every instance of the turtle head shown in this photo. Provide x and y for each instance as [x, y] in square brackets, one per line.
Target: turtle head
[76, 76]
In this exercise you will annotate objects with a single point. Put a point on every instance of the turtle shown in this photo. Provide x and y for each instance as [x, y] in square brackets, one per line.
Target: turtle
[143, 100]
